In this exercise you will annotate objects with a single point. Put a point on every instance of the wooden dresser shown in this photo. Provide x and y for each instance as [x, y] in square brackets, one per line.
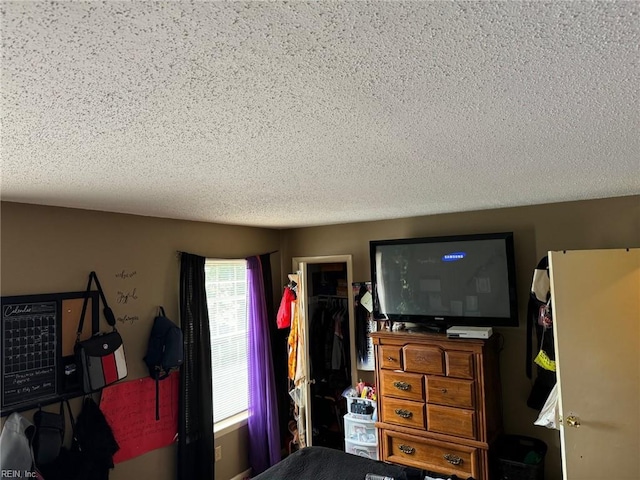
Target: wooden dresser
[439, 402]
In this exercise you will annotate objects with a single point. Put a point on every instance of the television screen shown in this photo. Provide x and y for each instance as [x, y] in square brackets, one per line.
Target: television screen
[444, 281]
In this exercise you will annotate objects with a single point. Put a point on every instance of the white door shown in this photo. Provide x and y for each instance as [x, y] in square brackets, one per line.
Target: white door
[596, 312]
[304, 357]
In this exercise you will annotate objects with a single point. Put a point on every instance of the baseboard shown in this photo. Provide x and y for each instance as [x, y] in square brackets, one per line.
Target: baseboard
[243, 476]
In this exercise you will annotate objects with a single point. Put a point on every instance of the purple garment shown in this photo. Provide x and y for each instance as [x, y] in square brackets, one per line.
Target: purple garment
[264, 432]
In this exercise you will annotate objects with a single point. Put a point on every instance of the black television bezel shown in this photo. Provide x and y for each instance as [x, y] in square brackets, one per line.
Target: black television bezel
[441, 323]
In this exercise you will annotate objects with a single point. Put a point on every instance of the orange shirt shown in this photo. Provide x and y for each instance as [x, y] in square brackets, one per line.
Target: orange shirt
[293, 341]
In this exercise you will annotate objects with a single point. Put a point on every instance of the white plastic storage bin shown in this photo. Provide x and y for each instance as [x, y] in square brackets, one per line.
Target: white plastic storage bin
[362, 408]
[361, 449]
[361, 431]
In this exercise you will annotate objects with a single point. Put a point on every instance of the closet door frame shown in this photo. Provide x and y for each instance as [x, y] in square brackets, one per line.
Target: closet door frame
[348, 260]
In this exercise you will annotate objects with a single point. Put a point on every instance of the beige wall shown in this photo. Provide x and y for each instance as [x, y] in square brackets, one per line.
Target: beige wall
[50, 250]
[46, 250]
[608, 223]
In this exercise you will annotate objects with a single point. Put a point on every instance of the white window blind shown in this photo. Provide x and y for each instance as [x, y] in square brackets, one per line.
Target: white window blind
[226, 285]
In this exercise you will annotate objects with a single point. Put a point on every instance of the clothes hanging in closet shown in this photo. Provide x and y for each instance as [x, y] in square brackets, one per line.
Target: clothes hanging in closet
[539, 320]
[283, 319]
[328, 332]
[293, 341]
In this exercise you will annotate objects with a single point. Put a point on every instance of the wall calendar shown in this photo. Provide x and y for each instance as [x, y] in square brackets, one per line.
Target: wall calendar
[37, 334]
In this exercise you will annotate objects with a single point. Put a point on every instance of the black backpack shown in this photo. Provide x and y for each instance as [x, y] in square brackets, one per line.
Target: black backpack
[165, 352]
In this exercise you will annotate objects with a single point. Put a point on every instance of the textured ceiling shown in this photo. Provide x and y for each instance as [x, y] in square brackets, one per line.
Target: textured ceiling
[285, 114]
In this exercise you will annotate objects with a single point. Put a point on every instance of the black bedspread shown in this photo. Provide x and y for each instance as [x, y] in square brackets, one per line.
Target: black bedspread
[320, 463]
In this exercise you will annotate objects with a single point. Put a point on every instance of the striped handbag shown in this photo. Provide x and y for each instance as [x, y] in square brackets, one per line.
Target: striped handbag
[101, 358]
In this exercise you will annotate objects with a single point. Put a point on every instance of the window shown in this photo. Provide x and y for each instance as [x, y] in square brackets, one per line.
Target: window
[226, 285]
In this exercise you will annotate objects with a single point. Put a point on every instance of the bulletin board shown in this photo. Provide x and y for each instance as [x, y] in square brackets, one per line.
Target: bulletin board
[37, 338]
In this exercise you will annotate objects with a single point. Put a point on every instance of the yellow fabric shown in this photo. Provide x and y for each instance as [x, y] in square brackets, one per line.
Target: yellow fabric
[543, 360]
[293, 341]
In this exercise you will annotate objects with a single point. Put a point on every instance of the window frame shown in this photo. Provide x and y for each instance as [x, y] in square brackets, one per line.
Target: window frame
[238, 419]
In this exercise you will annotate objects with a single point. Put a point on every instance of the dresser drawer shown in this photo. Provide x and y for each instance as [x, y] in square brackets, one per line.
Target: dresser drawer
[423, 359]
[459, 364]
[402, 385]
[403, 412]
[450, 391]
[428, 454]
[389, 357]
[452, 421]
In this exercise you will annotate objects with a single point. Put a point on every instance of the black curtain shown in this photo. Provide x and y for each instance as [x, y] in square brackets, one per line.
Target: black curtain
[279, 353]
[265, 261]
[195, 421]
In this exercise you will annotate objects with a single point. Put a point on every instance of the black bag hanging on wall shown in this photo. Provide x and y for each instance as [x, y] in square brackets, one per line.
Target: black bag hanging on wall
[93, 446]
[63, 466]
[49, 435]
[165, 352]
[101, 358]
[94, 438]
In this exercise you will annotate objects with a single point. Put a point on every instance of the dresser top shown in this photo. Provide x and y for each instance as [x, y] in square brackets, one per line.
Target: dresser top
[428, 338]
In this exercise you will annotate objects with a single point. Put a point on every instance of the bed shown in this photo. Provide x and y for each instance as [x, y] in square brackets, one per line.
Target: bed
[321, 463]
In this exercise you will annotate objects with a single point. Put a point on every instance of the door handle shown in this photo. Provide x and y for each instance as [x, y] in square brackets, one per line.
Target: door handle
[573, 421]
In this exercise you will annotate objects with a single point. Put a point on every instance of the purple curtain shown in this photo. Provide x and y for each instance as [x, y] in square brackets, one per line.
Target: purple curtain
[264, 433]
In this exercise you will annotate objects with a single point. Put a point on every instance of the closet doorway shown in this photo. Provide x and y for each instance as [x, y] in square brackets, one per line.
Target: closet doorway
[329, 330]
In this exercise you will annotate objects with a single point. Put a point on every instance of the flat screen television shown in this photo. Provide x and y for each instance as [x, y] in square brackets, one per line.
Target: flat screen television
[438, 282]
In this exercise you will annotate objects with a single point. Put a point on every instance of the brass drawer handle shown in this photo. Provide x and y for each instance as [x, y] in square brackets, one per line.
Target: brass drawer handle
[453, 459]
[443, 390]
[406, 449]
[391, 359]
[402, 386]
[403, 413]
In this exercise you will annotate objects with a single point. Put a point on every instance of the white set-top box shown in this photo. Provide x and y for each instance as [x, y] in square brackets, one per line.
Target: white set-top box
[469, 332]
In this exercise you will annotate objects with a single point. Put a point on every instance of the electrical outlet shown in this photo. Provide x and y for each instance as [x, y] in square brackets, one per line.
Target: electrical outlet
[219, 453]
